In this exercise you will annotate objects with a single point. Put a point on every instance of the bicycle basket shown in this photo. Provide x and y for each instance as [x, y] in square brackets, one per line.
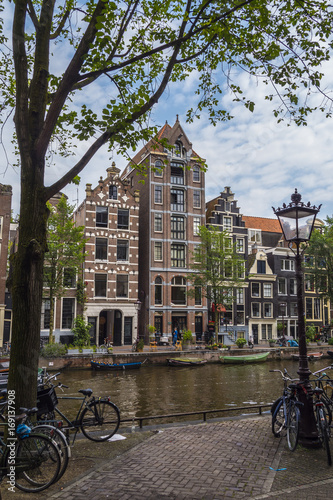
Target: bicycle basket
[46, 400]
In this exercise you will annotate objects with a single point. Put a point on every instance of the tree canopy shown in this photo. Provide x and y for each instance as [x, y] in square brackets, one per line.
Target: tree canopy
[125, 54]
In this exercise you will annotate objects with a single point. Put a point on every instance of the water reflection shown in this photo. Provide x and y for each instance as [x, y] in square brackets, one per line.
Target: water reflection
[156, 390]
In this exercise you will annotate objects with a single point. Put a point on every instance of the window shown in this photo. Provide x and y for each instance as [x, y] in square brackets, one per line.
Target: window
[240, 270]
[178, 150]
[268, 310]
[309, 282]
[308, 307]
[240, 296]
[123, 250]
[177, 227]
[282, 288]
[158, 250]
[267, 289]
[113, 192]
[240, 318]
[255, 289]
[287, 265]
[158, 223]
[68, 306]
[101, 249]
[177, 200]
[177, 173]
[255, 310]
[177, 255]
[228, 243]
[261, 267]
[227, 223]
[239, 245]
[158, 194]
[101, 216]
[316, 308]
[227, 264]
[123, 218]
[178, 290]
[293, 309]
[254, 236]
[196, 225]
[282, 309]
[100, 285]
[309, 261]
[158, 291]
[266, 331]
[197, 295]
[122, 285]
[196, 173]
[69, 277]
[46, 306]
[196, 199]
[293, 286]
[158, 168]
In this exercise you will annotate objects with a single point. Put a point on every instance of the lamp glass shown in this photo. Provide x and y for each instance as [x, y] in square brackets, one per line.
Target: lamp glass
[297, 225]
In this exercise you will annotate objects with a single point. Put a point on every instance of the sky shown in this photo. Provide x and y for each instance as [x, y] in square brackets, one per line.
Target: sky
[262, 161]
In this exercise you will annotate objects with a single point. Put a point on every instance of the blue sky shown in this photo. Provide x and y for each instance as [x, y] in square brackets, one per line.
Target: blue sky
[262, 161]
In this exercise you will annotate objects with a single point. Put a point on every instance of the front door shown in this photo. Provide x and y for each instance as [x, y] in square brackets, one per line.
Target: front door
[117, 328]
[128, 337]
[255, 330]
[179, 322]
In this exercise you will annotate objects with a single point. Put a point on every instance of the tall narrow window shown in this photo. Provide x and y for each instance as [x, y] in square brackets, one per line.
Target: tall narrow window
[177, 255]
[46, 306]
[196, 199]
[158, 168]
[177, 227]
[197, 296]
[122, 250]
[101, 216]
[158, 223]
[113, 192]
[69, 277]
[101, 249]
[261, 267]
[178, 290]
[123, 218]
[158, 291]
[100, 285]
[196, 225]
[158, 194]
[122, 285]
[177, 200]
[196, 173]
[68, 306]
[158, 255]
[177, 173]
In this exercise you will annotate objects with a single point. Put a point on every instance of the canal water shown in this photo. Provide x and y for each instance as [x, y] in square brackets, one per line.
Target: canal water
[160, 390]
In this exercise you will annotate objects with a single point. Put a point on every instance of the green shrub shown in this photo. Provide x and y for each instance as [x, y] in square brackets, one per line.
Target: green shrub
[81, 332]
[240, 342]
[53, 350]
[187, 335]
[330, 341]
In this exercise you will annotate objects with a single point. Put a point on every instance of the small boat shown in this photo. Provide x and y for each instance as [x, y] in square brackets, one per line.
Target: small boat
[4, 365]
[245, 358]
[186, 361]
[311, 356]
[330, 353]
[99, 365]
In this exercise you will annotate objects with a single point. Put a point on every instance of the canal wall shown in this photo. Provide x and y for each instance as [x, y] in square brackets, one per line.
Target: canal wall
[82, 361]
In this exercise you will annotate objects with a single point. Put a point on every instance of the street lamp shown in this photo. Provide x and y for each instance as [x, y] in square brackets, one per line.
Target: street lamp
[297, 221]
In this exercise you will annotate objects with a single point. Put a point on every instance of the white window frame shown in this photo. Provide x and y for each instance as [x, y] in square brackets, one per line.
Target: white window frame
[158, 188]
[158, 248]
[267, 295]
[240, 245]
[280, 280]
[259, 310]
[270, 309]
[159, 217]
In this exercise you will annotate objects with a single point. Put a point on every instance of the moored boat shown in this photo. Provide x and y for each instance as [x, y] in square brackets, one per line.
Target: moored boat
[330, 353]
[186, 361]
[245, 358]
[311, 356]
[99, 365]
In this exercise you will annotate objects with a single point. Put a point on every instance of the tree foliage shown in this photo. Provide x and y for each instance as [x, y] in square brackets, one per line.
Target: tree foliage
[122, 56]
[217, 269]
[65, 253]
[320, 266]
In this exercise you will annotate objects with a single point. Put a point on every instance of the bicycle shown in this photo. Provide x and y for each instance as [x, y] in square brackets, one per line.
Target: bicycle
[324, 382]
[323, 426]
[97, 418]
[31, 461]
[286, 413]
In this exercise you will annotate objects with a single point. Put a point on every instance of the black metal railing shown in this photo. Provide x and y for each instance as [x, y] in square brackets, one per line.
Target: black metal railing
[204, 414]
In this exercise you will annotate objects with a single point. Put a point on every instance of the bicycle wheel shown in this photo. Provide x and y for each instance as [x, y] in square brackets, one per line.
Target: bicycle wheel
[60, 440]
[278, 421]
[324, 434]
[37, 463]
[100, 420]
[292, 425]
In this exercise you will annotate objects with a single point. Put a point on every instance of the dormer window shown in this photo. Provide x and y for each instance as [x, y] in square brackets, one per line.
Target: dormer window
[178, 149]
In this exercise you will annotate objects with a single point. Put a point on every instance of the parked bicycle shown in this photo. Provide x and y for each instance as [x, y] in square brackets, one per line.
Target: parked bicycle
[35, 458]
[322, 420]
[98, 418]
[286, 413]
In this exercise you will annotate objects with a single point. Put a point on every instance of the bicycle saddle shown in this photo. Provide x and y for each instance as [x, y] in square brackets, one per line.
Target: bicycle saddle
[86, 392]
[28, 411]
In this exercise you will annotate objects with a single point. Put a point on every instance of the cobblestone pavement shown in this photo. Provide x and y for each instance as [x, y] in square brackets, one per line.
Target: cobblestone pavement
[222, 460]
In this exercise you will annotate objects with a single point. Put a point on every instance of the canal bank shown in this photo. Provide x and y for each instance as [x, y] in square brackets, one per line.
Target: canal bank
[123, 354]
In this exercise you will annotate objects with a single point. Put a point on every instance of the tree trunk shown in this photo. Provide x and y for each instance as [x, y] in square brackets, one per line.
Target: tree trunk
[27, 287]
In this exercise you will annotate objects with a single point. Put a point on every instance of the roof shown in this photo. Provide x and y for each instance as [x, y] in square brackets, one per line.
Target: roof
[268, 225]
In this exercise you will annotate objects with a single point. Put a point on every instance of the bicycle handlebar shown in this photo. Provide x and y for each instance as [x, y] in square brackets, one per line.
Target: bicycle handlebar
[284, 375]
[322, 370]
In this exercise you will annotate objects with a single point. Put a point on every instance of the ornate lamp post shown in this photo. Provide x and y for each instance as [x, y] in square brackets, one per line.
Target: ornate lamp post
[297, 221]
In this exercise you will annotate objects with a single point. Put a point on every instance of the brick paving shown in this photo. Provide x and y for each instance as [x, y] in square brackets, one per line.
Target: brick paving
[212, 461]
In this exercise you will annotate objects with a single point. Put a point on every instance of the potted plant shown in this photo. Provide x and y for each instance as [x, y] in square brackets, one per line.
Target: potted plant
[272, 343]
[187, 339]
[81, 335]
[240, 342]
[140, 345]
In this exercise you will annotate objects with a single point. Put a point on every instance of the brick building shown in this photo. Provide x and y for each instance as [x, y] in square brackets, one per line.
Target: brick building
[172, 207]
[5, 216]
